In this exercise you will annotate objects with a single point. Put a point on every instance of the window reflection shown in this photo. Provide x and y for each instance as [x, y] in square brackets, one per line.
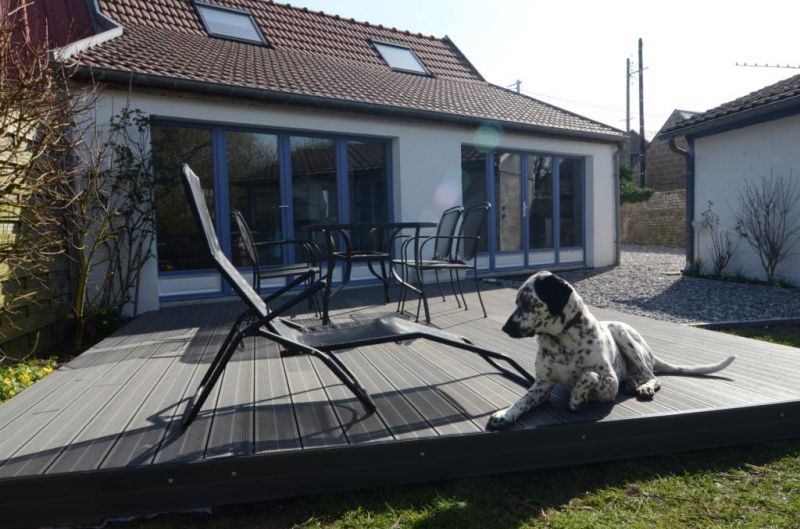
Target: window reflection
[253, 175]
[570, 202]
[368, 186]
[179, 246]
[508, 207]
[540, 200]
[314, 195]
[473, 183]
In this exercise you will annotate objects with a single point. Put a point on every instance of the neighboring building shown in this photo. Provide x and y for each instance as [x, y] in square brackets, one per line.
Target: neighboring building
[632, 151]
[746, 139]
[666, 169]
[294, 116]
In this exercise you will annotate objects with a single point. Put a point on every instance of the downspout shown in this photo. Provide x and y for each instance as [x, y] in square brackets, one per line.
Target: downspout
[688, 155]
[617, 214]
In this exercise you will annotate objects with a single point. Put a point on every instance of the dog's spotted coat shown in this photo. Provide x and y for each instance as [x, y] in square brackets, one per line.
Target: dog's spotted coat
[588, 356]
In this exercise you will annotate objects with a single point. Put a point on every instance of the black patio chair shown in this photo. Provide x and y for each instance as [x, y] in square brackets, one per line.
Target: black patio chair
[464, 256]
[258, 320]
[442, 250]
[307, 268]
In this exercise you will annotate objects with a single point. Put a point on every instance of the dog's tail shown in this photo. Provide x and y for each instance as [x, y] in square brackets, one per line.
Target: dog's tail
[664, 368]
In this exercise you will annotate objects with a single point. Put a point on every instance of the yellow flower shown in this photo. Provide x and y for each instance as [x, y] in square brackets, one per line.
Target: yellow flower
[7, 382]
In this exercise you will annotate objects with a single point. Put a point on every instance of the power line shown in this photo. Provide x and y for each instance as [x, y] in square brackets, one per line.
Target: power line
[756, 65]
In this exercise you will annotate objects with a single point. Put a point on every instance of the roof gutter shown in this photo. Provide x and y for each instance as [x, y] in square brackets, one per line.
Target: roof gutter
[107, 29]
[688, 155]
[737, 120]
[617, 213]
[176, 83]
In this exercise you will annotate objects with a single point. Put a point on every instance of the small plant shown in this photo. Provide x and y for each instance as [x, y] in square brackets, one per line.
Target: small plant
[722, 247]
[694, 268]
[16, 377]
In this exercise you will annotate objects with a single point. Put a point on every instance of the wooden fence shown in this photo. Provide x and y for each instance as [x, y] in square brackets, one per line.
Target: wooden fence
[37, 321]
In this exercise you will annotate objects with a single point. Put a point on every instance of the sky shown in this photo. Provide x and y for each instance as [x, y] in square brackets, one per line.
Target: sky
[572, 53]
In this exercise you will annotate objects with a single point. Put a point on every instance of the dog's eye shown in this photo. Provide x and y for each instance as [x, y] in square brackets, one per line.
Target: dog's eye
[526, 300]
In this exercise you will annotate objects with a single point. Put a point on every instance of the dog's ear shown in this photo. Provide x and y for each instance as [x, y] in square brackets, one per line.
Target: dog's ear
[554, 292]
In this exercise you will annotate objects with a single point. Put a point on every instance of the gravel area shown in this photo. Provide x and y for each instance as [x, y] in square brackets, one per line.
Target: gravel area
[648, 282]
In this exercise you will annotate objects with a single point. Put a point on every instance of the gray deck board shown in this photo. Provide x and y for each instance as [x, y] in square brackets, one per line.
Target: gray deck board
[118, 406]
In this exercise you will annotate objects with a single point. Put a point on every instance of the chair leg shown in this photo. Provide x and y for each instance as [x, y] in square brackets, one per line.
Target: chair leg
[478, 288]
[453, 288]
[458, 282]
[385, 280]
[210, 379]
[438, 284]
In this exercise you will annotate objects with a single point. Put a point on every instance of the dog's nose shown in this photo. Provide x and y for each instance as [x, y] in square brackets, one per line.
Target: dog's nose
[511, 328]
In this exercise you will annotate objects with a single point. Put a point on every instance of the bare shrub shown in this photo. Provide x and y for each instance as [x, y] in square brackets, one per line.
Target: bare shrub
[36, 119]
[722, 245]
[768, 218]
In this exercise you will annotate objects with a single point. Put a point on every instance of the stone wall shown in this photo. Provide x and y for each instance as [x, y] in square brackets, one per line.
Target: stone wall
[659, 221]
[666, 170]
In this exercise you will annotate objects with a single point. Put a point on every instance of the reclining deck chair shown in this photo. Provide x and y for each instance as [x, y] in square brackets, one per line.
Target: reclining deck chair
[258, 320]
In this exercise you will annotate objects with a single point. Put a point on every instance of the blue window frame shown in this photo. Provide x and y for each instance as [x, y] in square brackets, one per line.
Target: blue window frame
[215, 142]
[565, 198]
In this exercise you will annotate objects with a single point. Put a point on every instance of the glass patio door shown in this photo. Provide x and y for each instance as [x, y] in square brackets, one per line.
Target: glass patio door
[254, 189]
[509, 210]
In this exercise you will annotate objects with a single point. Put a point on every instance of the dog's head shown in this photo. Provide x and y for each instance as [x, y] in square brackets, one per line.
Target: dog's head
[545, 303]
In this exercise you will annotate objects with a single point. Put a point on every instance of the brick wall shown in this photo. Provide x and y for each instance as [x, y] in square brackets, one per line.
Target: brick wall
[657, 222]
[666, 170]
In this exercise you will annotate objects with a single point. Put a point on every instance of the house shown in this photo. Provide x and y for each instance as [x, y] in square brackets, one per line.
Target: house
[666, 169]
[293, 116]
[744, 140]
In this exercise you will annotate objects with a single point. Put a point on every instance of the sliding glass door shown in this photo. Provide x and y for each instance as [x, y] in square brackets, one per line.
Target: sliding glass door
[538, 205]
[280, 183]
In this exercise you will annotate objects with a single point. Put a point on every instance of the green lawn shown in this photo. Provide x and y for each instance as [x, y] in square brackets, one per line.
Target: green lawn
[786, 335]
[754, 487]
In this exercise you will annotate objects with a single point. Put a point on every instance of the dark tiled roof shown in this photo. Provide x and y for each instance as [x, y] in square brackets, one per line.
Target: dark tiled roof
[759, 100]
[317, 55]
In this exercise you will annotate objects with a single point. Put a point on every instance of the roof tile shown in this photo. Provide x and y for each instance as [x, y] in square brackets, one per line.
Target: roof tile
[314, 54]
[774, 93]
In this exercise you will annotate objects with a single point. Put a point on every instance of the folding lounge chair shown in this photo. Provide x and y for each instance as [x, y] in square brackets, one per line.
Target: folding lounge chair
[258, 320]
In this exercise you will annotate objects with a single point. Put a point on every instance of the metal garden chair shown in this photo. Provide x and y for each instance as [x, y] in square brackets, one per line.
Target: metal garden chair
[463, 257]
[445, 229]
[259, 320]
[308, 268]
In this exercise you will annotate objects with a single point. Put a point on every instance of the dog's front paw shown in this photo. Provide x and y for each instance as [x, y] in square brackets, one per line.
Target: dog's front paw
[499, 421]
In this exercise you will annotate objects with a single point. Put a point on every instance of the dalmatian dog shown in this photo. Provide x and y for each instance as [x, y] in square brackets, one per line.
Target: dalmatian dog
[591, 357]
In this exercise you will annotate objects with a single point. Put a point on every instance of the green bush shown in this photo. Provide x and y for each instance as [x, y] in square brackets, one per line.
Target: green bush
[18, 376]
[629, 191]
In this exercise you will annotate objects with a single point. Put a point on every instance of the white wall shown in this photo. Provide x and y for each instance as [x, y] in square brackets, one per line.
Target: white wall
[724, 162]
[426, 156]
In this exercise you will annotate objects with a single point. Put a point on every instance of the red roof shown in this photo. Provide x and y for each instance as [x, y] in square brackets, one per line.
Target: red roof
[312, 55]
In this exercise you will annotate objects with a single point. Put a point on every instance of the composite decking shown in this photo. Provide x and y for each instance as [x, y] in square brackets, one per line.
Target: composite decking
[100, 437]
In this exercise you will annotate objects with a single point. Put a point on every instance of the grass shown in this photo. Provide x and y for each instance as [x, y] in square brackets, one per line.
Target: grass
[784, 335]
[755, 486]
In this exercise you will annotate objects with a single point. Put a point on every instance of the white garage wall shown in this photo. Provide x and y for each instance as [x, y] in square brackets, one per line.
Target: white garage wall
[724, 162]
[426, 156]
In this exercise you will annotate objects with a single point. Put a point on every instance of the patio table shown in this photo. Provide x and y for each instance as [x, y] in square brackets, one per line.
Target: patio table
[380, 250]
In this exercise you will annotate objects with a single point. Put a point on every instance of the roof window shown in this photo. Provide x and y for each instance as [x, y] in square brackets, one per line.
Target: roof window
[400, 57]
[229, 23]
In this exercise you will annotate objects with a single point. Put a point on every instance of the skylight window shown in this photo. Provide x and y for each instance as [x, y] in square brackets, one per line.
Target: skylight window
[229, 23]
[400, 58]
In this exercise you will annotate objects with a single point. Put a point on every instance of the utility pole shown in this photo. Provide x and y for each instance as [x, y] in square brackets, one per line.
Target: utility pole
[628, 95]
[642, 157]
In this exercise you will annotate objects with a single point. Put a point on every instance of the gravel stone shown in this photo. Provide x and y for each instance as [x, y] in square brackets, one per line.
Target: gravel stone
[648, 282]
